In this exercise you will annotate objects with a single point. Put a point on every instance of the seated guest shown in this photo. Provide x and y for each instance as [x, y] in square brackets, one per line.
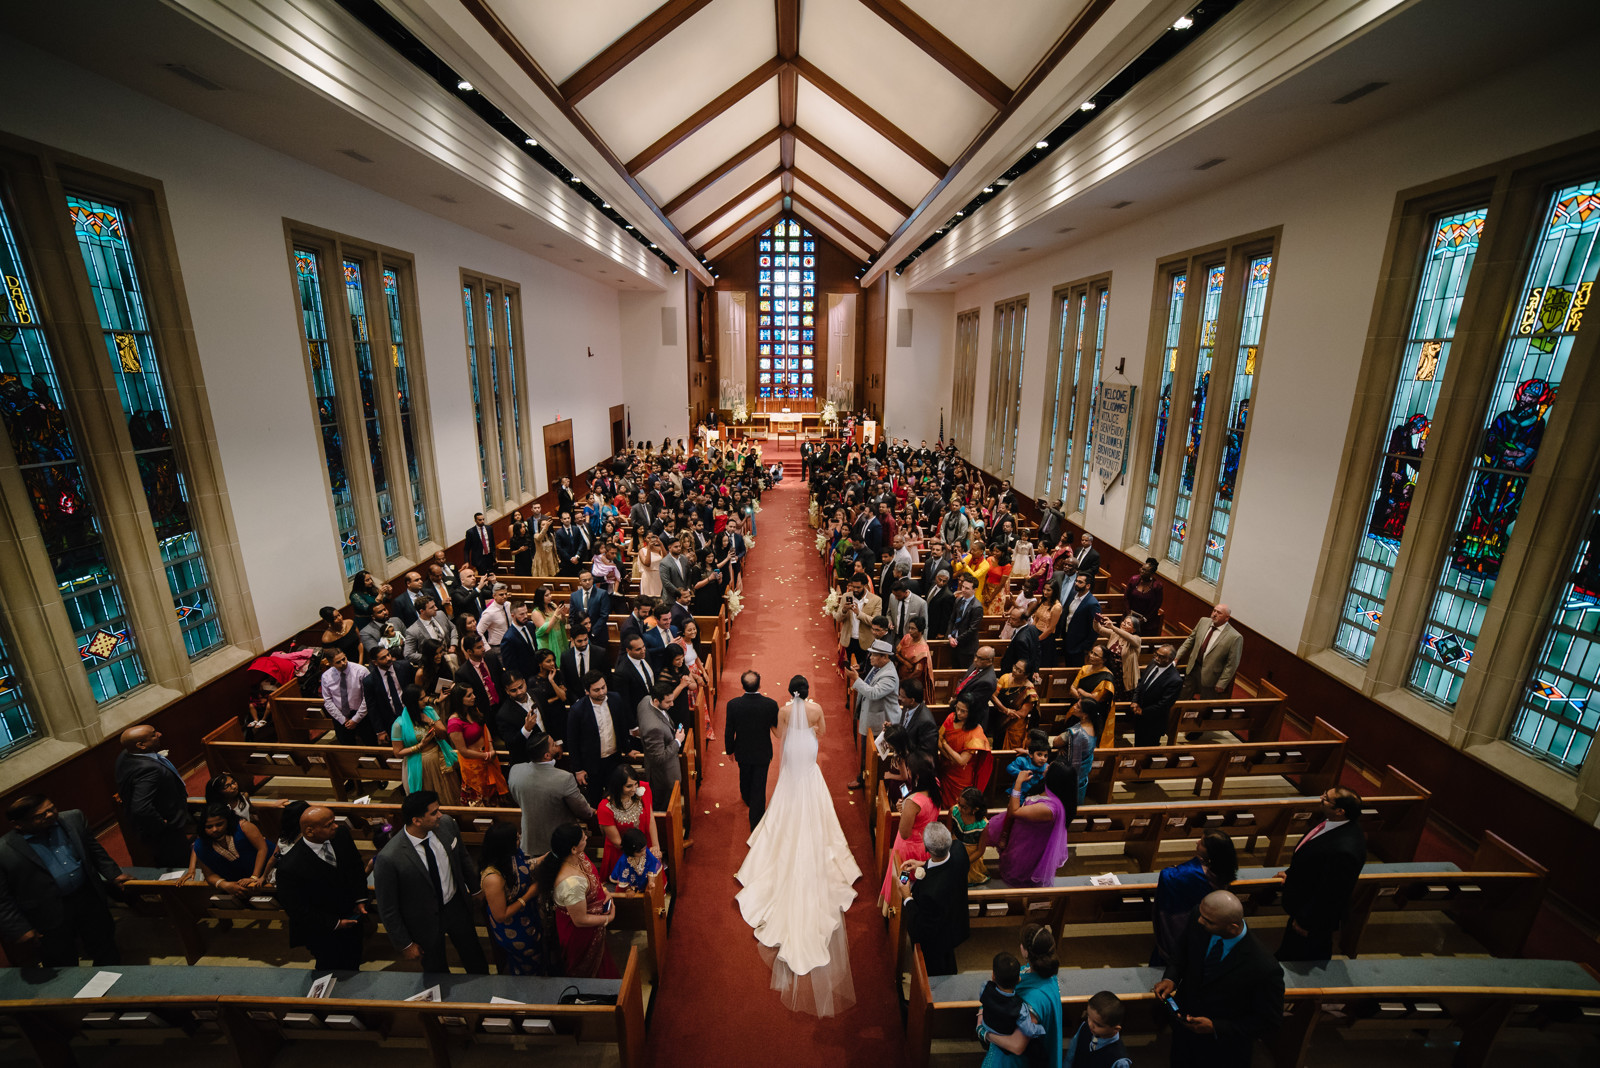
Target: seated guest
[54, 878]
[419, 737]
[231, 854]
[1031, 835]
[322, 885]
[582, 907]
[516, 922]
[1183, 886]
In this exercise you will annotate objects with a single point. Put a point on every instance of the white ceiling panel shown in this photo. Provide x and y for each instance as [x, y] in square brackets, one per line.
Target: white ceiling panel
[1008, 37]
[714, 142]
[721, 248]
[563, 36]
[731, 184]
[879, 64]
[735, 212]
[686, 70]
[863, 200]
[812, 195]
[861, 144]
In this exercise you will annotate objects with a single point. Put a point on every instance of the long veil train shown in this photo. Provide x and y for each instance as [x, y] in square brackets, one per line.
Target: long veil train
[797, 881]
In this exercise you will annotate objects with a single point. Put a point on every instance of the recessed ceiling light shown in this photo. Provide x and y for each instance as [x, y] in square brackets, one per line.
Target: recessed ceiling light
[628, 226]
[652, 244]
[988, 189]
[530, 142]
[1087, 105]
[1183, 23]
[960, 214]
[575, 178]
[603, 204]
[1041, 144]
[464, 85]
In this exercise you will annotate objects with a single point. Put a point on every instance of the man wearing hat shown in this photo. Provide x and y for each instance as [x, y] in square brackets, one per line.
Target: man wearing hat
[876, 696]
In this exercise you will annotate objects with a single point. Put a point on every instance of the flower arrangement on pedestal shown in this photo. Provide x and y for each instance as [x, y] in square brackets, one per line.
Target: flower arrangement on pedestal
[830, 413]
[831, 605]
[741, 414]
[735, 603]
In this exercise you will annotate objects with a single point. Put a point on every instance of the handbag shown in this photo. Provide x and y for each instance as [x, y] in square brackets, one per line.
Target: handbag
[571, 996]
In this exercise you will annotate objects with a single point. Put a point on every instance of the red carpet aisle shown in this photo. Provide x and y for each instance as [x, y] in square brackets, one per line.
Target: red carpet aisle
[716, 1007]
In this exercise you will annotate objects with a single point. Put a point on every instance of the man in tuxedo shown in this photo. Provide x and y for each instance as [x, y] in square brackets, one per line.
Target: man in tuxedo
[1076, 628]
[905, 607]
[936, 910]
[478, 543]
[875, 696]
[581, 658]
[1088, 557]
[516, 720]
[752, 719]
[941, 605]
[322, 885]
[480, 669]
[981, 682]
[386, 680]
[1321, 878]
[547, 795]
[519, 647]
[55, 878]
[599, 734]
[592, 604]
[922, 730]
[155, 800]
[572, 544]
[431, 625]
[424, 880]
[1154, 697]
[1229, 990]
[635, 676]
[1210, 655]
[965, 618]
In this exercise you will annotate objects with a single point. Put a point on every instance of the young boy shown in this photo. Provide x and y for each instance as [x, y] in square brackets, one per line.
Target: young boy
[1003, 1010]
[1034, 760]
[1098, 1043]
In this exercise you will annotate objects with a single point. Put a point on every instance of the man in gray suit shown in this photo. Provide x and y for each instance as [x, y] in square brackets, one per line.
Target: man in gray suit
[660, 740]
[53, 881]
[903, 607]
[1210, 655]
[673, 574]
[547, 796]
[425, 882]
[876, 696]
[430, 626]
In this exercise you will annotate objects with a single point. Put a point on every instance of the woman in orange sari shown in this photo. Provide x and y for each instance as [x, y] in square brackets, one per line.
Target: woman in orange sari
[912, 657]
[1016, 700]
[964, 757]
[995, 580]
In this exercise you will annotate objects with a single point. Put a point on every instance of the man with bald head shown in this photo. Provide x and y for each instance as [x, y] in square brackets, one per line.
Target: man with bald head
[322, 885]
[155, 800]
[1227, 987]
[1210, 656]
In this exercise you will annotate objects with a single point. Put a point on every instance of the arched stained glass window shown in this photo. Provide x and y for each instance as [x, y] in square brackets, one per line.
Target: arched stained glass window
[314, 323]
[786, 277]
[1169, 366]
[491, 335]
[17, 725]
[402, 386]
[1194, 420]
[1555, 294]
[1452, 248]
[477, 394]
[103, 240]
[1094, 398]
[361, 334]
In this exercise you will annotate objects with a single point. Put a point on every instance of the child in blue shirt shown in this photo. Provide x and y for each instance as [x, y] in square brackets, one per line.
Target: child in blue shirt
[1034, 760]
[637, 863]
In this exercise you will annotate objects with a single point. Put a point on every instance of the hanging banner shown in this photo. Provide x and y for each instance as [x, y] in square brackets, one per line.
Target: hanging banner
[1111, 433]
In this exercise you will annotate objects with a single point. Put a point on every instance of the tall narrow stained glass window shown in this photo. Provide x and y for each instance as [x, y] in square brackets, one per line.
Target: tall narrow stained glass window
[786, 280]
[1005, 385]
[1247, 363]
[1169, 366]
[1452, 248]
[1193, 422]
[402, 388]
[360, 333]
[17, 725]
[516, 404]
[1063, 314]
[103, 240]
[47, 454]
[477, 395]
[1077, 317]
[1094, 396]
[314, 324]
[1555, 294]
[491, 336]
[966, 378]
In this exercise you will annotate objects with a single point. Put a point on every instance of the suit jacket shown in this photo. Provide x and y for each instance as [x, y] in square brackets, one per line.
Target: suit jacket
[681, 614]
[916, 608]
[417, 633]
[154, 799]
[936, 916]
[870, 606]
[30, 900]
[1077, 630]
[1024, 645]
[463, 599]
[1089, 563]
[655, 645]
[1322, 876]
[507, 724]
[1155, 697]
[403, 608]
[548, 797]
[583, 733]
[316, 894]
[479, 558]
[572, 542]
[517, 653]
[467, 675]
[382, 708]
[877, 701]
[640, 515]
[658, 739]
[673, 577]
[407, 902]
[1221, 660]
[626, 680]
[941, 604]
[747, 730]
[1242, 997]
[982, 686]
[922, 731]
[571, 680]
[965, 619]
[931, 567]
[594, 606]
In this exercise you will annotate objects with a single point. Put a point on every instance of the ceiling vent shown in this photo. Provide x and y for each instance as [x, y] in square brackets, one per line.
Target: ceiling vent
[1356, 94]
[1208, 164]
[353, 154]
[507, 226]
[446, 197]
[192, 76]
[1120, 204]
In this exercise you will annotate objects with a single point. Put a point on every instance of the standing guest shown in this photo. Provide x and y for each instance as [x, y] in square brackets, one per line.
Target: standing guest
[432, 624]
[545, 561]
[481, 671]
[980, 682]
[155, 799]
[905, 608]
[599, 725]
[649, 560]
[421, 741]
[1321, 877]
[591, 604]
[660, 738]
[965, 759]
[365, 594]
[635, 675]
[384, 688]
[344, 697]
[694, 661]
[1180, 888]
[1229, 990]
[747, 733]
[517, 719]
[875, 697]
[1024, 641]
[1098, 1040]
[496, 617]
[341, 633]
[1088, 557]
[1041, 994]
[912, 657]
[519, 539]
[1015, 700]
[627, 803]
[515, 922]
[1031, 834]
[478, 544]
[581, 657]
[922, 730]
[941, 605]
[54, 882]
[1094, 689]
[936, 911]
[547, 795]
[404, 604]
[582, 907]
[1076, 628]
[380, 632]
[857, 609]
[1051, 518]
[966, 616]
[968, 818]
[552, 633]
[230, 854]
[1145, 592]
[520, 644]
[916, 798]
[322, 886]
[424, 881]
[1154, 697]
[1121, 641]
[482, 781]
[1210, 655]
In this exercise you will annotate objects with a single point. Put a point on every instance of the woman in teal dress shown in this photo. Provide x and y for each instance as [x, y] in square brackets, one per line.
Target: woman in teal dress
[1041, 992]
[516, 920]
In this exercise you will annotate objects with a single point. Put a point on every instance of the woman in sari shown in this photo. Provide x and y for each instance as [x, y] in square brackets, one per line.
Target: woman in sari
[913, 790]
[1016, 699]
[995, 581]
[964, 758]
[419, 738]
[482, 781]
[582, 908]
[1040, 991]
[1095, 688]
[912, 657]
[694, 659]
[516, 922]
[544, 546]
[1031, 835]
[552, 635]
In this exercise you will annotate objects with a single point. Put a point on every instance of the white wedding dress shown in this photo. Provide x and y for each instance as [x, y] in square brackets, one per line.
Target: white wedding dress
[797, 881]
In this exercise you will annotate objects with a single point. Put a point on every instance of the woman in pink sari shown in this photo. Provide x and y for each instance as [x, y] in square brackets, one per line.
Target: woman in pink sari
[1032, 835]
[914, 789]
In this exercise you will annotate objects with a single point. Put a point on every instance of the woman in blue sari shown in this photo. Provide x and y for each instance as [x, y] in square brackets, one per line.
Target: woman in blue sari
[1040, 991]
[421, 740]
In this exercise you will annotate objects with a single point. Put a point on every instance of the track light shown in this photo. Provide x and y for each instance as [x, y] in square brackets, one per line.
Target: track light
[988, 189]
[1041, 144]
[464, 85]
[1087, 105]
[606, 206]
[575, 178]
[530, 142]
[1183, 23]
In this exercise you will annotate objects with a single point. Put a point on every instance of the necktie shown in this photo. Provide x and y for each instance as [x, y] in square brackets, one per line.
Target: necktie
[433, 628]
[483, 535]
[344, 703]
[1214, 955]
[1212, 633]
[169, 765]
[1312, 833]
[488, 683]
[901, 629]
[394, 687]
[325, 851]
[583, 662]
[433, 868]
[647, 674]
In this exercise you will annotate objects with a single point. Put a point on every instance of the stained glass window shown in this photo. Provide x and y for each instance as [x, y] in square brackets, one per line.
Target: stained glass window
[477, 396]
[103, 240]
[1063, 311]
[516, 397]
[355, 298]
[786, 280]
[1558, 714]
[494, 385]
[17, 726]
[1246, 365]
[1169, 366]
[402, 386]
[1077, 318]
[47, 455]
[1452, 248]
[1193, 422]
[1094, 397]
[314, 324]
[1555, 294]
[1005, 385]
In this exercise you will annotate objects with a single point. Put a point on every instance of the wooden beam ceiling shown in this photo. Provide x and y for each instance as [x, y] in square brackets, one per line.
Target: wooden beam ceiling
[716, 174]
[861, 110]
[861, 177]
[724, 100]
[629, 47]
[738, 198]
[844, 205]
[802, 205]
[944, 51]
[765, 206]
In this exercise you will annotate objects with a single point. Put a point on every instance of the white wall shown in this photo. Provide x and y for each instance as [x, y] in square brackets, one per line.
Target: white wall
[918, 375]
[1334, 205]
[228, 199]
[654, 378]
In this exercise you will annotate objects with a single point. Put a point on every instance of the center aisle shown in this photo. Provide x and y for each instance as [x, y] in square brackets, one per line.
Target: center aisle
[716, 1006]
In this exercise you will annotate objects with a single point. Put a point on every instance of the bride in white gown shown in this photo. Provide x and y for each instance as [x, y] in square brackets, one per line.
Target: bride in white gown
[799, 872]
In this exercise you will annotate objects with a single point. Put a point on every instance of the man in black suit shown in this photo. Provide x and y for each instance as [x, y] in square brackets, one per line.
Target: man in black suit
[519, 647]
[681, 612]
[980, 682]
[1076, 627]
[517, 719]
[599, 734]
[581, 658]
[478, 543]
[155, 799]
[1321, 876]
[1154, 697]
[747, 737]
[424, 880]
[936, 561]
[54, 879]
[638, 620]
[1024, 641]
[572, 545]
[635, 675]
[1229, 990]
[404, 605]
[386, 680]
[1088, 557]
[965, 619]
[592, 604]
[322, 885]
[481, 670]
[470, 594]
[936, 912]
[941, 605]
[922, 730]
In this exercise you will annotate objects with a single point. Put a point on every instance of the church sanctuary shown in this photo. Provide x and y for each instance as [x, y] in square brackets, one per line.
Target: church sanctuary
[867, 533]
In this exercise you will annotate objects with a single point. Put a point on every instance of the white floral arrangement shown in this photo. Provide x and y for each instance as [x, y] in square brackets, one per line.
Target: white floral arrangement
[831, 605]
[741, 414]
[822, 543]
[735, 603]
[830, 413]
